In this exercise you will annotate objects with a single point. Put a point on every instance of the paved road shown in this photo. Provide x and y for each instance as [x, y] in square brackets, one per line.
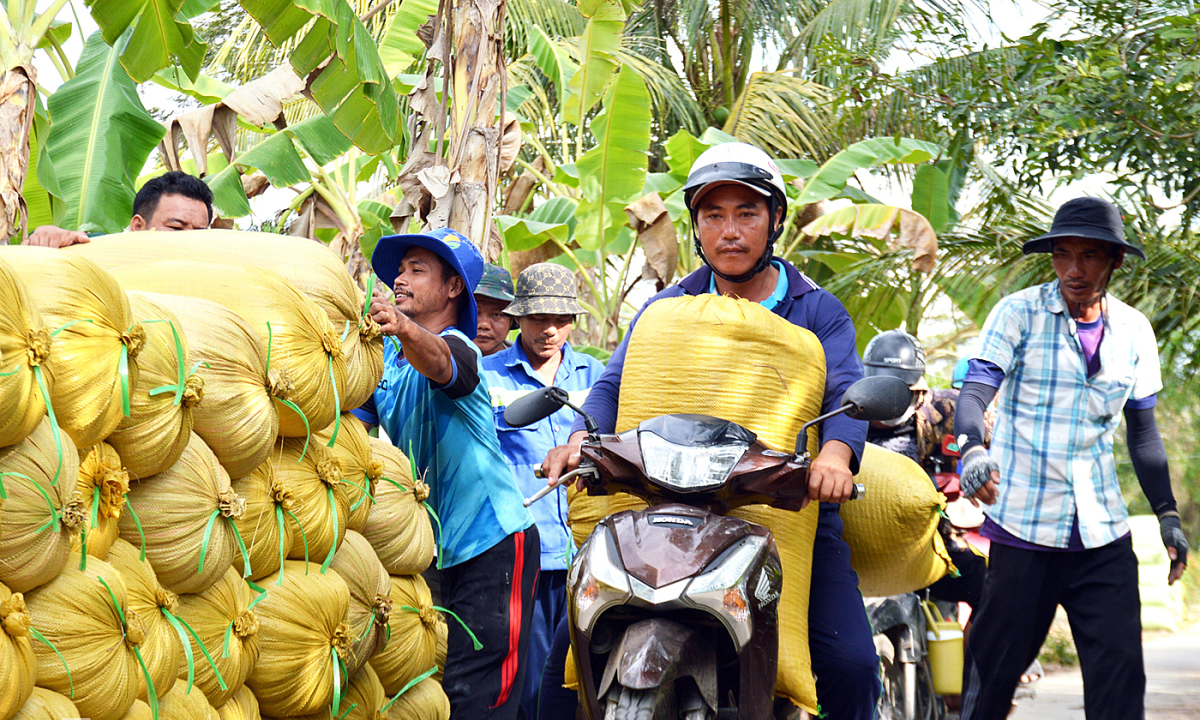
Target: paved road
[1172, 683]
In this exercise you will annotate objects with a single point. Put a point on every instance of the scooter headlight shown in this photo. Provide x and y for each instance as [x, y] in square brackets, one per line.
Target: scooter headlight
[684, 467]
[601, 581]
[723, 588]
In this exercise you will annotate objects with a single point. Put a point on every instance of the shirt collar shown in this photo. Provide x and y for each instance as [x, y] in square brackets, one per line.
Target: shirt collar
[516, 357]
[797, 282]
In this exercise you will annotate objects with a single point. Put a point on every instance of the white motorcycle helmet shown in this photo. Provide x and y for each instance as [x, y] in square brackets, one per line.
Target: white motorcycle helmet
[737, 162]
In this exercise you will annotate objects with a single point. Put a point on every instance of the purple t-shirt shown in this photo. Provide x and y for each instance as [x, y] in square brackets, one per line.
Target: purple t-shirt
[1090, 335]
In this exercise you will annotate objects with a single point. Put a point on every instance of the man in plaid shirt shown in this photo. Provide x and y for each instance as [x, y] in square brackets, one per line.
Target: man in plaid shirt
[1065, 361]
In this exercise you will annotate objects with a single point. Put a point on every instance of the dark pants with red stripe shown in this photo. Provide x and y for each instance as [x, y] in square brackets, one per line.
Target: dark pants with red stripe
[493, 594]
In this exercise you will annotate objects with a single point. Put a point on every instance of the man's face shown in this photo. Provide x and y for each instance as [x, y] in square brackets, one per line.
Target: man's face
[733, 223]
[173, 212]
[1083, 267]
[493, 324]
[420, 288]
[542, 336]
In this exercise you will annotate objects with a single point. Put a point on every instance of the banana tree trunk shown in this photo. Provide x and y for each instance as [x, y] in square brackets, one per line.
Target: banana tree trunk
[18, 96]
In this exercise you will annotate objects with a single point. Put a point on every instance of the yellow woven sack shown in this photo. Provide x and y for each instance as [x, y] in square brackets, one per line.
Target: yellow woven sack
[40, 516]
[18, 669]
[101, 489]
[439, 653]
[24, 347]
[94, 349]
[736, 360]
[180, 705]
[162, 649]
[370, 601]
[46, 704]
[362, 699]
[304, 641]
[398, 525]
[242, 706]
[320, 503]
[265, 527]
[95, 637]
[222, 611]
[302, 341]
[160, 420]
[892, 532]
[238, 419]
[424, 701]
[412, 649]
[310, 267]
[360, 468]
[186, 514]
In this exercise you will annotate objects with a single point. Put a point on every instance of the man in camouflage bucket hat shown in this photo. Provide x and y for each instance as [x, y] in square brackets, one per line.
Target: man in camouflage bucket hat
[545, 308]
[493, 295]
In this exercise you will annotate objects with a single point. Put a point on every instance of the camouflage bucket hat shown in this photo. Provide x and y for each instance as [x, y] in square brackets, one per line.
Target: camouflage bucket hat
[545, 289]
[496, 283]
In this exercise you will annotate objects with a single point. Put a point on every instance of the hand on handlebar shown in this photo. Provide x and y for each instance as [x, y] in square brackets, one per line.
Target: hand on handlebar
[829, 476]
[563, 459]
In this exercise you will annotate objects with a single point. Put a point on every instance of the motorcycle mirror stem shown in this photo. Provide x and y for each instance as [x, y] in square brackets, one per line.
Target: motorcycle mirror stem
[881, 397]
[543, 403]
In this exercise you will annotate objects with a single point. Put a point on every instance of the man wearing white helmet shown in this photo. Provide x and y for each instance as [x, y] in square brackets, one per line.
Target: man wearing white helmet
[737, 200]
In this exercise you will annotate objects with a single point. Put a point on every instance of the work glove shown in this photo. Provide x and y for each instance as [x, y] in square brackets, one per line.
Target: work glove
[977, 470]
[1171, 530]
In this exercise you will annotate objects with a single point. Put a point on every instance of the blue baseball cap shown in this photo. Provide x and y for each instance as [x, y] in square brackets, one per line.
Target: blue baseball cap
[447, 244]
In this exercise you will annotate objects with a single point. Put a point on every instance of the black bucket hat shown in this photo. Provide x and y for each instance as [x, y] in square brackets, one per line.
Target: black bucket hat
[1085, 217]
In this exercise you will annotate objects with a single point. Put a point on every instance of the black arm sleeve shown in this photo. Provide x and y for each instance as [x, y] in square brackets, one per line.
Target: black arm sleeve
[968, 414]
[466, 369]
[1149, 457]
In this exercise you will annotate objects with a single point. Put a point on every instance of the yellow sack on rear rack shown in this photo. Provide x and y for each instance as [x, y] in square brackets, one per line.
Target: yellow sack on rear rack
[242, 706]
[736, 360]
[398, 526]
[101, 489]
[370, 600]
[95, 343]
[187, 515]
[24, 346]
[151, 439]
[413, 647]
[303, 343]
[360, 468]
[222, 611]
[424, 701]
[18, 668]
[41, 515]
[162, 649]
[303, 639]
[894, 543]
[238, 419]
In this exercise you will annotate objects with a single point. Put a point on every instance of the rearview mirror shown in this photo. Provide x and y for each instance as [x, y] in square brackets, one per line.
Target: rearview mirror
[878, 398]
[539, 404]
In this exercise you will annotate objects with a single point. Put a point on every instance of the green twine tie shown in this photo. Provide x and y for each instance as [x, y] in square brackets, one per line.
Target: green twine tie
[151, 693]
[333, 547]
[474, 640]
[138, 523]
[180, 363]
[437, 520]
[54, 431]
[83, 540]
[279, 518]
[123, 371]
[212, 519]
[207, 656]
[366, 492]
[262, 595]
[303, 538]
[347, 711]
[42, 639]
[398, 485]
[187, 648]
[411, 683]
[337, 402]
[337, 681]
[237, 535]
[307, 431]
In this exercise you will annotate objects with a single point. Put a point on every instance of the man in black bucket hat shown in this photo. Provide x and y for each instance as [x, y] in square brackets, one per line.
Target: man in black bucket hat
[1065, 361]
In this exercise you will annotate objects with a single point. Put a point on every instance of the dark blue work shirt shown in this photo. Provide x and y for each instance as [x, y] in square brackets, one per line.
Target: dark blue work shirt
[807, 305]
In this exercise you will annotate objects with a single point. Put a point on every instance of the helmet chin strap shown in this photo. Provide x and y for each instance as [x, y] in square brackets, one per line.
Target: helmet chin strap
[764, 261]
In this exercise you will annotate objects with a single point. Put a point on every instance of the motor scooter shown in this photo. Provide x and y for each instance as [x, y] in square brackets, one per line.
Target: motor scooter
[673, 609]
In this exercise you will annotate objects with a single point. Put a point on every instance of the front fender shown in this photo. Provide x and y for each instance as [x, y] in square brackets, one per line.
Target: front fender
[656, 652]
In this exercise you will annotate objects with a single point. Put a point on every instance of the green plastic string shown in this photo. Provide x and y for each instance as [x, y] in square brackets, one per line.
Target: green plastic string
[211, 662]
[54, 518]
[197, 367]
[398, 485]
[83, 541]
[396, 346]
[307, 432]
[366, 492]
[368, 293]
[178, 388]
[138, 523]
[279, 517]
[437, 520]
[123, 371]
[303, 537]
[42, 639]
[10, 374]
[411, 684]
[332, 547]
[345, 332]
[262, 594]
[117, 605]
[337, 681]
[347, 711]
[337, 401]
[270, 336]
[187, 648]
[207, 535]
[474, 640]
[150, 691]
[237, 535]
[3, 492]
[64, 327]
[54, 431]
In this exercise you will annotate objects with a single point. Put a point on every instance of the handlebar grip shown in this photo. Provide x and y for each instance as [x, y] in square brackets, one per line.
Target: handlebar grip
[858, 491]
[537, 471]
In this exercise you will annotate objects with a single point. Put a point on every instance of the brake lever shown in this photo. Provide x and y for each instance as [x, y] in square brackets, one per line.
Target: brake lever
[563, 479]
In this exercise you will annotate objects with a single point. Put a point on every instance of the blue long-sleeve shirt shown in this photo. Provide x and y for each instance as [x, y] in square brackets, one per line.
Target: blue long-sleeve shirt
[805, 304]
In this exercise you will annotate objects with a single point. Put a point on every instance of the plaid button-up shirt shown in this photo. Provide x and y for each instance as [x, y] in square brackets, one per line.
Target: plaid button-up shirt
[1054, 427]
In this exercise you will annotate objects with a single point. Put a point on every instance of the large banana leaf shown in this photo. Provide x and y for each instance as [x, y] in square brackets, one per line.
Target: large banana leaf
[400, 46]
[551, 220]
[613, 173]
[43, 197]
[931, 195]
[100, 137]
[599, 43]
[338, 55]
[553, 60]
[161, 35]
[834, 174]
[912, 230]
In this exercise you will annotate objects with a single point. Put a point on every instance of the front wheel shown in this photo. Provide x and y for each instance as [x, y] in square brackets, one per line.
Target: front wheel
[650, 704]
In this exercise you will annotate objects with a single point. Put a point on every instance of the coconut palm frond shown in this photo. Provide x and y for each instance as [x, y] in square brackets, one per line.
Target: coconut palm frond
[674, 105]
[784, 115]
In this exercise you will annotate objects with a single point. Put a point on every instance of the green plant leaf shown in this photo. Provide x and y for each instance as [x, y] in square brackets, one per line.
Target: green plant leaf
[834, 174]
[100, 137]
[160, 35]
[60, 31]
[400, 46]
[682, 150]
[599, 43]
[43, 197]
[207, 90]
[794, 168]
[614, 172]
[931, 196]
[553, 60]
[553, 219]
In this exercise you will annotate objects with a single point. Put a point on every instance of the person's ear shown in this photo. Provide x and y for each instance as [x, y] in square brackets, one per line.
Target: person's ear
[1119, 258]
[457, 286]
[137, 223]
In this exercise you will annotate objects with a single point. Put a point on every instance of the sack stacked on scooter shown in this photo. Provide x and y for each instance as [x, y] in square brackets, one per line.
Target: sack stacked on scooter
[24, 346]
[892, 532]
[361, 699]
[241, 706]
[320, 505]
[265, 527]
[690, 355]
[424, 701]
[162, 650]
[412, 650]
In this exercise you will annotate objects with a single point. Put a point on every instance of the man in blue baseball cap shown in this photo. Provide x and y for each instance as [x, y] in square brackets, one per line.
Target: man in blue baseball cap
[434, 405]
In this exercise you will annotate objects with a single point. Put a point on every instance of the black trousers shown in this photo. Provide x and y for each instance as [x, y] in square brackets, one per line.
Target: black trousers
[493, 594]
[1098, 589]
